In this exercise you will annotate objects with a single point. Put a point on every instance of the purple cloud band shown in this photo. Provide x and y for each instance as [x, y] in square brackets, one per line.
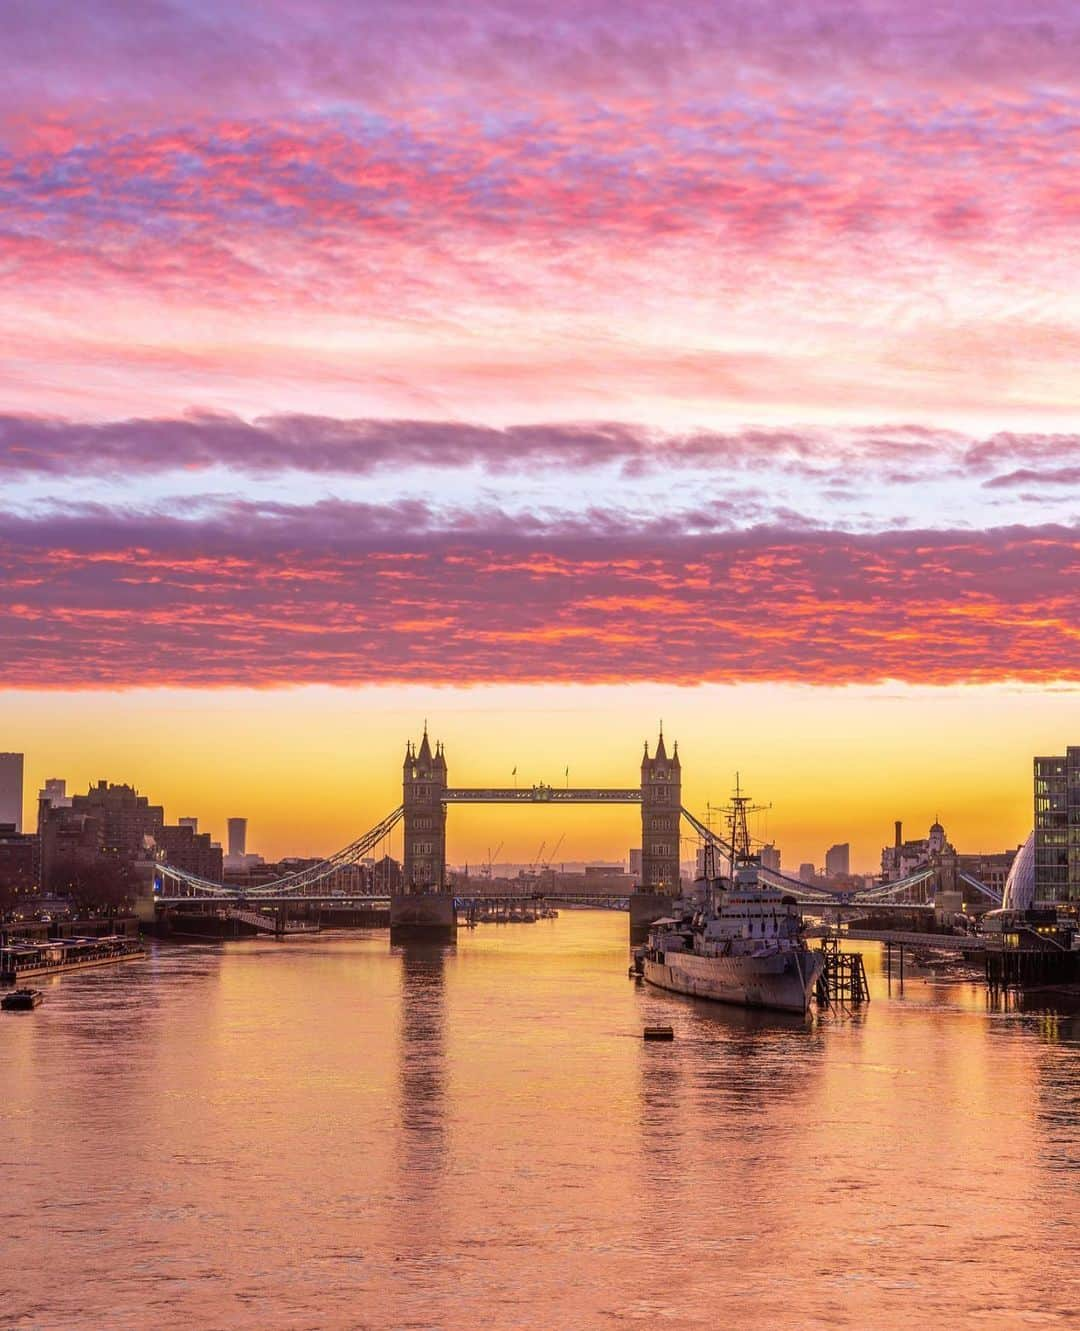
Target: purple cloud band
[259, 54]
[52, 446]
[346, 593]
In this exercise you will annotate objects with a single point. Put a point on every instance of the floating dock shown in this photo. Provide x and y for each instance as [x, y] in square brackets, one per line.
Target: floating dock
[24, 961]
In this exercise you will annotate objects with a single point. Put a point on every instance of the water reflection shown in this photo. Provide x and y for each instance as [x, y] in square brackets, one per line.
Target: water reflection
[421, 1053]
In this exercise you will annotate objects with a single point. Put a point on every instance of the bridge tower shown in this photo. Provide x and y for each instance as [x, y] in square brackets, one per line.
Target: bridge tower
[661, 806]
[423, 791]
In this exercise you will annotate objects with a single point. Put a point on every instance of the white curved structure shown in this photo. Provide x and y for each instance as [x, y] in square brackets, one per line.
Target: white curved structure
[1020, 884]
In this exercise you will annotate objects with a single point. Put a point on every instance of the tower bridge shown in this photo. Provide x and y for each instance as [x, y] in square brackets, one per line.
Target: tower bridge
[426, 905]
[426, 793]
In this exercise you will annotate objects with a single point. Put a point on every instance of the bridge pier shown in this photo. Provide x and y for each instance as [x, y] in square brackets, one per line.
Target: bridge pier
[427, 916]
[645, 909]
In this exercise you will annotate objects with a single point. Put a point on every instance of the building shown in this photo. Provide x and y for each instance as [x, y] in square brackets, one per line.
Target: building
[423, 783]
[1019, 891]
[108, 823]
[11, 790]
[904, 857]
[770, 857]
[54, 795]
[237, 838]
[992, 868]
[18, 864]
[838, 861]
[1057, 828]
[807, 873]
[193, 823]
[129, 822]
[635, 864]
[184, 848]
[661, 811]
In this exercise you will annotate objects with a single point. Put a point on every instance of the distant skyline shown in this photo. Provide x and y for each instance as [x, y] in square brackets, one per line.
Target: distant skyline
[432, 353]
[313, 768]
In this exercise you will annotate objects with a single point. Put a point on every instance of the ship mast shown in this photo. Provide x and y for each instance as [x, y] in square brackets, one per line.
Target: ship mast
[739, 832]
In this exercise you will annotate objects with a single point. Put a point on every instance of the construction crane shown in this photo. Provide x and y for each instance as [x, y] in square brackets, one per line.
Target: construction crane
[554, 851]
[538, 858]
[485, 871]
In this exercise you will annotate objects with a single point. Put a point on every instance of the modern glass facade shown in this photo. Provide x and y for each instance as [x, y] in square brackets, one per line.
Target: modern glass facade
[1057, 827]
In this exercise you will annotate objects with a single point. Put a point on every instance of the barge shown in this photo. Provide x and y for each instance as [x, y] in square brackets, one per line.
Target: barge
[24, 960]
[22, 1000]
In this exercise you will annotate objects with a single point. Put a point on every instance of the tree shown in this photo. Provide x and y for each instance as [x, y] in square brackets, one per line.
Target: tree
[102, 884]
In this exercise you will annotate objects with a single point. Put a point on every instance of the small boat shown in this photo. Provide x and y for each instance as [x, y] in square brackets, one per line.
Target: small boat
[22, 1000]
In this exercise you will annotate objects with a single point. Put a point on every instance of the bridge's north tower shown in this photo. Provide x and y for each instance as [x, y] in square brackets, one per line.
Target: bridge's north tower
[661, 806]
[423, 797]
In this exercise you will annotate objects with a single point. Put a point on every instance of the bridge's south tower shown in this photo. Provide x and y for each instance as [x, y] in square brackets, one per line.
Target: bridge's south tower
[661, 803]
[423, 789]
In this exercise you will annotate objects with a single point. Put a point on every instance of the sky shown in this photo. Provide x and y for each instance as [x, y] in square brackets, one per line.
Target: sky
[542, 371]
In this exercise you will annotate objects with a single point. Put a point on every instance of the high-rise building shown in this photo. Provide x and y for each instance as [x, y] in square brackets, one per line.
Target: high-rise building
[1057, 827]
[237, 838]
[54, 794]
[11, 789]
[838, 861]
[112, 823]
[635, 863]
[807, 873]
[193, 823]
[770, 857]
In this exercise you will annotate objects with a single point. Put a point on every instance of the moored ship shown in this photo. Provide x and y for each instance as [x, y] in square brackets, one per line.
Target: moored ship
[735, 939]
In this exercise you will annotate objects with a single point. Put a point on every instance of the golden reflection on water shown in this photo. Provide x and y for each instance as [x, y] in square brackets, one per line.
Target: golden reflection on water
[335, 1133]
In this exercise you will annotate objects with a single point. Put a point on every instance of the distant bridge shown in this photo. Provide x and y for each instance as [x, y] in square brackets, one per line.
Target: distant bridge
[426, 795]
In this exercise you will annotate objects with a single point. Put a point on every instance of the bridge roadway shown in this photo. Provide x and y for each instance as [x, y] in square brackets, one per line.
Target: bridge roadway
[603, 900]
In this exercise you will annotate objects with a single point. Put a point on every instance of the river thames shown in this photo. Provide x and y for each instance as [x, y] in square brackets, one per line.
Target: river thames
[331, 1133]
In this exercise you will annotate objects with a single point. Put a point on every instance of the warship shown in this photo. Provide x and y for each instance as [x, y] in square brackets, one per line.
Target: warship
[734, 938]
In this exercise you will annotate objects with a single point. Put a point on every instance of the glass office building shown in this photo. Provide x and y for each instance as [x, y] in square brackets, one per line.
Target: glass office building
[1057, 828]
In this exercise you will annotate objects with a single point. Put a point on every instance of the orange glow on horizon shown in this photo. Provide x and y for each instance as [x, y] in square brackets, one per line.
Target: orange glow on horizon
[314, 767]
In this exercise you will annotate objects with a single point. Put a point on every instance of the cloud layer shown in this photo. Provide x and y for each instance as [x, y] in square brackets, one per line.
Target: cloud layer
[357, 594]
[858, 208]
[631, 341]
[55, 446]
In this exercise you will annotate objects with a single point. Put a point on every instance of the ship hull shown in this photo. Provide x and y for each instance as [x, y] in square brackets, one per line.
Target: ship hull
[784, 983]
